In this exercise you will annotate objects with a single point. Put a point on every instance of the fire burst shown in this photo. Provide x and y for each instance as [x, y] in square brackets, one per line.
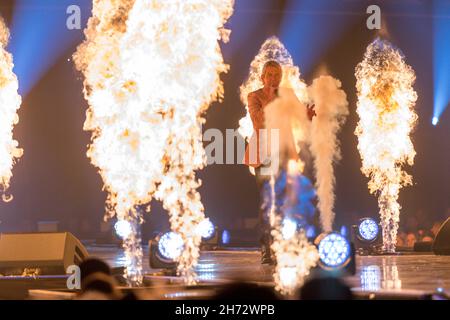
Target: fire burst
[151, 70]
[386, 102]
[295, 256]
[10, 102]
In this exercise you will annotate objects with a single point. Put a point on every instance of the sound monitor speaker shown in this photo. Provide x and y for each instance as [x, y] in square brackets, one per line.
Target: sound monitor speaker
[51, 253]
[441, 244]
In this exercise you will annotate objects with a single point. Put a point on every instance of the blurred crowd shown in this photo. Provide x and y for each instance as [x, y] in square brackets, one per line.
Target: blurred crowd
[418, 228]
[420, 234]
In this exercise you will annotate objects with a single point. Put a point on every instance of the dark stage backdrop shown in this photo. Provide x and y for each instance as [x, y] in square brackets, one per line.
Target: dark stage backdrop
[55, 181]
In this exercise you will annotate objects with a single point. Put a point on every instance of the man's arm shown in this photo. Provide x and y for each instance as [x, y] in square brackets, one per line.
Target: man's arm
[256, 111]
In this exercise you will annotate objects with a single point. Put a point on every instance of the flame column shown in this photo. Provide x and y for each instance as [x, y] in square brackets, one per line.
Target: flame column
[151, 71]
[385, 107]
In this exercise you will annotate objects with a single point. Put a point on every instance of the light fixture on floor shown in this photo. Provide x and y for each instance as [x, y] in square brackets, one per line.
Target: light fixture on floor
[123, 228]
[210, 235]
[336, 253]
[164, 250]
[367, 237]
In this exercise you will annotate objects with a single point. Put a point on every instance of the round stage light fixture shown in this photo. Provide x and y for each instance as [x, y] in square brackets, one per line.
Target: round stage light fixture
[206, 229]
[334, 251]
[368, 229]
[170, 245]
[123, 228]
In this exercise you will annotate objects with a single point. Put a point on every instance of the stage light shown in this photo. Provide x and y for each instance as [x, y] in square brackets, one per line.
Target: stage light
[206, 229]
[40, 36]
[441, 63]
[367, 237]
[226, 237]
[289, 228]
[368, 229]
[308, 37]
[123, 228]
[164, 251]
[310, 232]
[344, 231]
[170, 245]
[210, 235]
[435, 121]
[334, 251]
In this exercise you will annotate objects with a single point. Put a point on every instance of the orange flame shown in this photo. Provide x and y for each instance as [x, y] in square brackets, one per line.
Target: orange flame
[151, 70]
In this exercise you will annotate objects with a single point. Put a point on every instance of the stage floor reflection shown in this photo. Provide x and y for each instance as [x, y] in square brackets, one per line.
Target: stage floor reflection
[413, 273]
[406, 276]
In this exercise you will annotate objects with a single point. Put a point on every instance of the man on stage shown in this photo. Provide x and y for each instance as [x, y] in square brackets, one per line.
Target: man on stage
[257, 100]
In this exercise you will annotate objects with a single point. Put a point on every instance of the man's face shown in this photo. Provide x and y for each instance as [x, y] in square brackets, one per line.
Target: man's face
[272, 77]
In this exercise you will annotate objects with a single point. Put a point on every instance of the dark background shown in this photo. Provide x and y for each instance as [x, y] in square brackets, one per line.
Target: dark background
[54, 179]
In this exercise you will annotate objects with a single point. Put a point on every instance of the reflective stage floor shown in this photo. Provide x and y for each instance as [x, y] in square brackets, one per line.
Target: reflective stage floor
[401, 276]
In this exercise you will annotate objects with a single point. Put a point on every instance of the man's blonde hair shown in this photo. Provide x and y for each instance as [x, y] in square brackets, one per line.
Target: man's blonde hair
[270, 63]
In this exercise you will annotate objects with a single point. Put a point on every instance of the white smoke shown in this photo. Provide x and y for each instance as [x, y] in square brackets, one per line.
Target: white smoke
[331, 109]
[287, 115]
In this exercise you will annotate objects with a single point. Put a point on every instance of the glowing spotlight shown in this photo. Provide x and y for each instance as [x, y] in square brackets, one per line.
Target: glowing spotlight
[123, 228]
[206, 229]
[368, 229]
[367, 237]
[210, 235]
[344, 231]
[334, 251]
[289, 228]
[435, 121]
[441, 63]
[310, 232]
[170, 245]
[226, 237]
[165, 251]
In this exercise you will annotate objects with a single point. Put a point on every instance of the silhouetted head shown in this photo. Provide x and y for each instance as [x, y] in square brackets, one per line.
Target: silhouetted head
[96, 276]
[328, 288]
[245, 291]
[93, 265]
